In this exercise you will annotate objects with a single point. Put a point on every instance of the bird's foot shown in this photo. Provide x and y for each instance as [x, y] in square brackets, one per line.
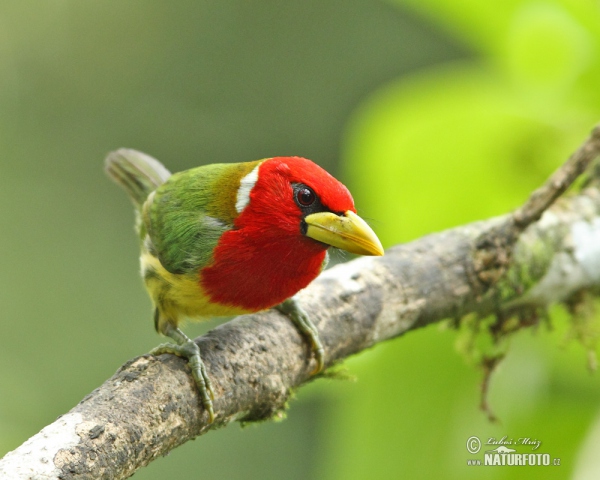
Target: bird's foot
[301, 319]
[188, 349]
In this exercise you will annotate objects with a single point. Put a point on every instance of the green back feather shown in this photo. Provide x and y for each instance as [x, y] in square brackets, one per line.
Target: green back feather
[187, 215]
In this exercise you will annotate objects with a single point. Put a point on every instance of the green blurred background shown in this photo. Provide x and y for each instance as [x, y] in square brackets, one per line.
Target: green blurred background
[434, 112]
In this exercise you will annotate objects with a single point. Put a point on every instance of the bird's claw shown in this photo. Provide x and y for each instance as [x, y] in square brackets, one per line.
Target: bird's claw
[191, 351]
[320, 359]
[301, 319]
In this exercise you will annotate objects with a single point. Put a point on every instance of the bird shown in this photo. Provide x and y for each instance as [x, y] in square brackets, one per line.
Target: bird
[235, 238]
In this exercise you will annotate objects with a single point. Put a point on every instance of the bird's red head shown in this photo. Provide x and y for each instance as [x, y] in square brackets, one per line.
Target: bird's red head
[290, 212]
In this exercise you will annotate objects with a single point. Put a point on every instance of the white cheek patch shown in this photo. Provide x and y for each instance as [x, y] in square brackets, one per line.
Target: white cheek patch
[246, 185]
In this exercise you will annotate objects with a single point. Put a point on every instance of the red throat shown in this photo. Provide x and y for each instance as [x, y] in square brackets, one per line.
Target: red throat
[265, 258]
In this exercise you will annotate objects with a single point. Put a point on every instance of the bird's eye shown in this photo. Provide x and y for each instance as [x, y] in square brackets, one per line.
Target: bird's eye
[305, 196]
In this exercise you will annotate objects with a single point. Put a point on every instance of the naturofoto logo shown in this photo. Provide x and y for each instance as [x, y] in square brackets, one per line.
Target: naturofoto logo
[506, 455]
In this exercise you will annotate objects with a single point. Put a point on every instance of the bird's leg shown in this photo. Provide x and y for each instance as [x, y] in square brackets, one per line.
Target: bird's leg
[187, 348]
[301, 319]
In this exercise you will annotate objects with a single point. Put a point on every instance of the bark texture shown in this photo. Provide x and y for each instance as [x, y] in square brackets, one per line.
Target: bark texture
[151, 405]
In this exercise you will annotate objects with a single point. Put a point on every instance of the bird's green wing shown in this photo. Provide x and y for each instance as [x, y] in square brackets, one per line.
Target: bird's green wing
[186, 216]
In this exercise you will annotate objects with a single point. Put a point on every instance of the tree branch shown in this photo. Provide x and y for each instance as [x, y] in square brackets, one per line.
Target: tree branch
[558, 183]
[151, 405]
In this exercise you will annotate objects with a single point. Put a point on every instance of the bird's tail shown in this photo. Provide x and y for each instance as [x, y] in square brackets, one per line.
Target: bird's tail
[139, 174]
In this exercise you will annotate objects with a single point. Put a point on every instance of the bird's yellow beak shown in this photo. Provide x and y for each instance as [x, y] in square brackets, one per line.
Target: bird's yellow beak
[348, 232]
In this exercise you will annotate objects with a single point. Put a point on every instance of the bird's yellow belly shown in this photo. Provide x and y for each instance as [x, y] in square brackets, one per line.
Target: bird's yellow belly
[180, 295]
